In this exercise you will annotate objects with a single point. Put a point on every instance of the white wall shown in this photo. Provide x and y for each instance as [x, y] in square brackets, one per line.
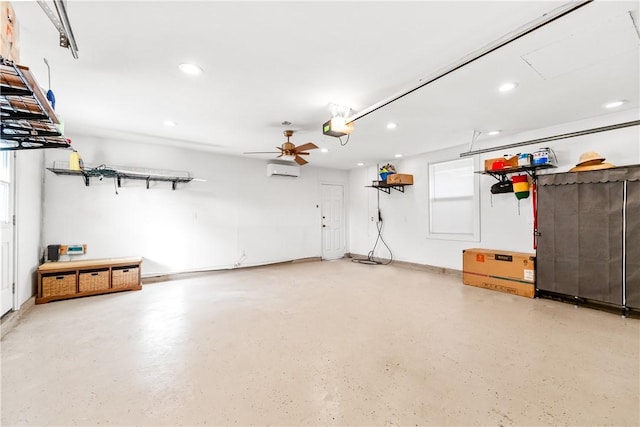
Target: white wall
[238, 217]
[29, 175]
[501, 225]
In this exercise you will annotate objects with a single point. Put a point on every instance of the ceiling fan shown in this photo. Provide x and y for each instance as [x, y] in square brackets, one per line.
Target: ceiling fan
[289, 151]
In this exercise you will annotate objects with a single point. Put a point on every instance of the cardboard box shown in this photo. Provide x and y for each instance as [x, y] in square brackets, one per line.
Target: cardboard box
[509, 163]
[400, 178]
[504, 271]
[9, 33]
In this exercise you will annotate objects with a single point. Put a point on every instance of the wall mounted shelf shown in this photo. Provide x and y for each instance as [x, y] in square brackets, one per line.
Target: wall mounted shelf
[501, 175]
[28, 121]
[386, 188]
[120, 174]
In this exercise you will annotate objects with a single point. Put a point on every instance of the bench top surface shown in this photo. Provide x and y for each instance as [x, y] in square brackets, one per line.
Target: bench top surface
[88, 263]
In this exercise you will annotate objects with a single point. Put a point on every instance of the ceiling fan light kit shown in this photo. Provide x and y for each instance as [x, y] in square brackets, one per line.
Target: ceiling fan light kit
[289, 151]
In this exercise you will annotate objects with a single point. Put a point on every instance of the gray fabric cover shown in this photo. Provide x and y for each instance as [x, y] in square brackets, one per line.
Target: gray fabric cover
[580, 241]
[633, 245]
[619, 174]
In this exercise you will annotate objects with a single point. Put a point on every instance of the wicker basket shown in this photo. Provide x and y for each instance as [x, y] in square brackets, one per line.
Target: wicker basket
[62, 284]
[125, 277]
[93, 280]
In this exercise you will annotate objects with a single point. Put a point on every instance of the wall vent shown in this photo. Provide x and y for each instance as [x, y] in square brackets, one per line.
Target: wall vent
[274, 169]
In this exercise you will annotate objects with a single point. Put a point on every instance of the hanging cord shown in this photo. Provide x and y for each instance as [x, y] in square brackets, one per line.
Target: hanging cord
[370, 256]
[370, 260]
[345, 142]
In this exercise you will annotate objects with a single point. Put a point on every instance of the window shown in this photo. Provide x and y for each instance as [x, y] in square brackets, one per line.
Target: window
[454, 201]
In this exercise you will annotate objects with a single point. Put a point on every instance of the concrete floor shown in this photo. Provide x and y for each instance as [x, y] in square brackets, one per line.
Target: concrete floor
[333, 343]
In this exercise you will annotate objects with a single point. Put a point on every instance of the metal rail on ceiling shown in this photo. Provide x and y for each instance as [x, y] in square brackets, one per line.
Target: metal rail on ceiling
[553, 138]
[60, 20]
[491, 47]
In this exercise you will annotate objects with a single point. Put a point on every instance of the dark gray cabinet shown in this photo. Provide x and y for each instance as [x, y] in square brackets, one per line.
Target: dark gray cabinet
[589, 235]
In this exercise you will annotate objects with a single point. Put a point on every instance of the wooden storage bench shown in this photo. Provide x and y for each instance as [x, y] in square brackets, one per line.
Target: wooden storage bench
[72, 279]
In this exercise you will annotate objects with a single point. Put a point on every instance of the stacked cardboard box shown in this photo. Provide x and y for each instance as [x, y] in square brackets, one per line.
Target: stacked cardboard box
[504, 271]
[400, 178]
[509, 163]
[10, 33]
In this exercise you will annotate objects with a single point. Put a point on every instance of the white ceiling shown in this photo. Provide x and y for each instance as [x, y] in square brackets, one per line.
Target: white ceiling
[269, 62]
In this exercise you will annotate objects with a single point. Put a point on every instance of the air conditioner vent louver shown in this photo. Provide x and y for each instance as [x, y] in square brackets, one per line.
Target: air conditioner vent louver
[283, 170]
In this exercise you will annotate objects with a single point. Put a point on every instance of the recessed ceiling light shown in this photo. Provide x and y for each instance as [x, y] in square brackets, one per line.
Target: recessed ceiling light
[324, 150]
[391, 125]
[506, 87]
[360, 164]
[169, 123]
[494, 132]
[398, 155]
[190, 69]
[613, 104]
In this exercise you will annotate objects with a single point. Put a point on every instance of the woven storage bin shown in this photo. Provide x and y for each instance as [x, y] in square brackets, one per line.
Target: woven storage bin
[125, 277]
[93, 281]
[62, 284]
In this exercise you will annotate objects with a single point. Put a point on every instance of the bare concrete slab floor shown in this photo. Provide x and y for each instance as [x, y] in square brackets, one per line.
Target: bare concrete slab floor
[331, 343]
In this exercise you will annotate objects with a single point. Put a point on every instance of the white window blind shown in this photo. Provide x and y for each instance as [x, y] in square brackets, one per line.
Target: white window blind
[454, 212]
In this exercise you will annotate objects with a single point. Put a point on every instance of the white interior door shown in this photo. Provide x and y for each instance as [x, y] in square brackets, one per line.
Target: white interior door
[333, 230]
[6, 231]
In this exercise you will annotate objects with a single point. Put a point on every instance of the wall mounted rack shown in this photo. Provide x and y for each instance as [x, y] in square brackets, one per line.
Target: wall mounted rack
[119, 174]
[502, 175]
[384, 187]
[28, 121]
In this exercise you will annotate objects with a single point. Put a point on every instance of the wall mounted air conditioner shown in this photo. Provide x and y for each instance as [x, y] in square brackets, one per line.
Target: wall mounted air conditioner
[283, 170]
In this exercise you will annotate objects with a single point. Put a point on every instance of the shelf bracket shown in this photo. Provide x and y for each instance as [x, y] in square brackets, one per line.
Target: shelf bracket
[148, 179]
[86, 179]
[119, 181]
[174, 185]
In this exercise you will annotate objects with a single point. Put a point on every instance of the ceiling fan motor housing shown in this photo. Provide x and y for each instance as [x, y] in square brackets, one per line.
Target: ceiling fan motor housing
[288, 147]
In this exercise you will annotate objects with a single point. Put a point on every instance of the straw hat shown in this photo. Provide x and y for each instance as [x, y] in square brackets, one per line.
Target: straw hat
[596, 167]
[590, 158]
[591, 161]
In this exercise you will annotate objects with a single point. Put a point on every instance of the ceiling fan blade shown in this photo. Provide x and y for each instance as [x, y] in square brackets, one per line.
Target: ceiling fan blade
[281, 154]
[261, 152]
[302, 154]
[307, 146]
[299, 160]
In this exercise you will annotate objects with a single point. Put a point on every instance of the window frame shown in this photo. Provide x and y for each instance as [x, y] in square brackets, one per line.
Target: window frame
[471, 164]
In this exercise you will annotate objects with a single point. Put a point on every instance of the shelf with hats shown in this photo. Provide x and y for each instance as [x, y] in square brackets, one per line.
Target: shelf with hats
[501, 167]
[502, 174]
[28, 120]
